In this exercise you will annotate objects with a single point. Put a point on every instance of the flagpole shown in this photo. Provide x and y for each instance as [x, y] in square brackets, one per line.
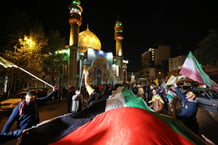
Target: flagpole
[81, 82]
[35, 77]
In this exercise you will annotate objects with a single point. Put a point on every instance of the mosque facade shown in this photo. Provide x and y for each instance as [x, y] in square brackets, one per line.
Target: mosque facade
[85, 49]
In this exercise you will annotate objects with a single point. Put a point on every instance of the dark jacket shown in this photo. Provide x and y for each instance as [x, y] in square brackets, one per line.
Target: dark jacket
[189, 108]
[29, 117]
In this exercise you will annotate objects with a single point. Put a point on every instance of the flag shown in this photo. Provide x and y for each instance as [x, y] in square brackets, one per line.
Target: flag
[213, 84]
[171, 80]
[156, 81]
[174, 79]
[5, 63]
[193, 70]
[130, 122]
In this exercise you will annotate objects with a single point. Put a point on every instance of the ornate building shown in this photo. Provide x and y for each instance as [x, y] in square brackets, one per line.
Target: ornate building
[119, 62]
[85, 49]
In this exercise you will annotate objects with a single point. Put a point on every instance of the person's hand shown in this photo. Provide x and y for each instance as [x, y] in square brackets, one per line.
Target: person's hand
[175, 84]
[77, 92]
[54, 88]
[25, 131]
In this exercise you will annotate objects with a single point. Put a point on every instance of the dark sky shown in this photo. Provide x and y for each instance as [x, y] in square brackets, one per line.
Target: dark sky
[182, 24]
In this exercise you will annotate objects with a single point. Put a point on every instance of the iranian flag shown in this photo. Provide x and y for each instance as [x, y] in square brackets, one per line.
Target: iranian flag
[121, 119]
[193, 70]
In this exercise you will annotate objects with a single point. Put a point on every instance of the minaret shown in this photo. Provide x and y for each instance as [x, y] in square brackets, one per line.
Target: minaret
[75, 21]
[118, 59]
[118, 37]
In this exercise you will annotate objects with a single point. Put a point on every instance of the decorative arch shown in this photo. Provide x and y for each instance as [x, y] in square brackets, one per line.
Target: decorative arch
[98, 72]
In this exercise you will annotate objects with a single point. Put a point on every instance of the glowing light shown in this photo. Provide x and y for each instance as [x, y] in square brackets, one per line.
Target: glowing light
[28, 44]
[125, 61]
[65, 52]
[100, 52]
[76, 2]
[75, 10]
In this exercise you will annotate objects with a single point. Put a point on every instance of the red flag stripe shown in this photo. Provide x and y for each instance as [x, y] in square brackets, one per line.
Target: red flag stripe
[192, 74]
[124, 126]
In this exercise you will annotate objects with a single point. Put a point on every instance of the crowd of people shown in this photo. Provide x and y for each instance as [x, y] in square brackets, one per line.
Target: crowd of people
[170, 100]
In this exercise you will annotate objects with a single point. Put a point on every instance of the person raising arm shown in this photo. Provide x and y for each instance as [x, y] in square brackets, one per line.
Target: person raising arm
[189, 109]
[26, 114]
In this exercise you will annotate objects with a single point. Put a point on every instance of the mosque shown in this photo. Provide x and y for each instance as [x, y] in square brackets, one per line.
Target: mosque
[85, 49]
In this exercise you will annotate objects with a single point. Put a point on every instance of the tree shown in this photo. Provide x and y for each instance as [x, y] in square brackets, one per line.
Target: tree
[28, 55]
[207, 50]
[55, 60]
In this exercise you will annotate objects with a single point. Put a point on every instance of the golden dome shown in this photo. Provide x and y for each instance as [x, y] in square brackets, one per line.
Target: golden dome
[88, 39]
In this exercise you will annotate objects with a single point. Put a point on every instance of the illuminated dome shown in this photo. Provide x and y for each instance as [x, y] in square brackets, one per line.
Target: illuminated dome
[88, 39]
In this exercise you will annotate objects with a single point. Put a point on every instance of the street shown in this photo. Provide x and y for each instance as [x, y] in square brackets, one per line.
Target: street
[208, 121]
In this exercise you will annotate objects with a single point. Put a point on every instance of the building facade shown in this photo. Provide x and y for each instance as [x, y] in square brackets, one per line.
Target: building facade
[85, 49]
[155, 62]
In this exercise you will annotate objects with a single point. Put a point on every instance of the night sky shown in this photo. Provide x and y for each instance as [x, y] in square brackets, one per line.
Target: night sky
[182, 24]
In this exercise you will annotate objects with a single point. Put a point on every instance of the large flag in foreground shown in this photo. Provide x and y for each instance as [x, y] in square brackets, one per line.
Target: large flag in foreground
[122, 119]
[193, 70]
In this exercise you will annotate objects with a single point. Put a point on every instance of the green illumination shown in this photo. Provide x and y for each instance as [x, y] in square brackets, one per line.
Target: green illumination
[68, 52]
[64, 52]
[119, 24]
[76, 2]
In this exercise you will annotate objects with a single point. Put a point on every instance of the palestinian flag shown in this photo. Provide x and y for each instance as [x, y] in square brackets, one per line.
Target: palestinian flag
[122, 119]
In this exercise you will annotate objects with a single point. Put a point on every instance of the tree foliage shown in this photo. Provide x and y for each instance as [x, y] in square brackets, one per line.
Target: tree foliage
[28, 46]
[55, 43]
[207, 50]
[27, 52]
